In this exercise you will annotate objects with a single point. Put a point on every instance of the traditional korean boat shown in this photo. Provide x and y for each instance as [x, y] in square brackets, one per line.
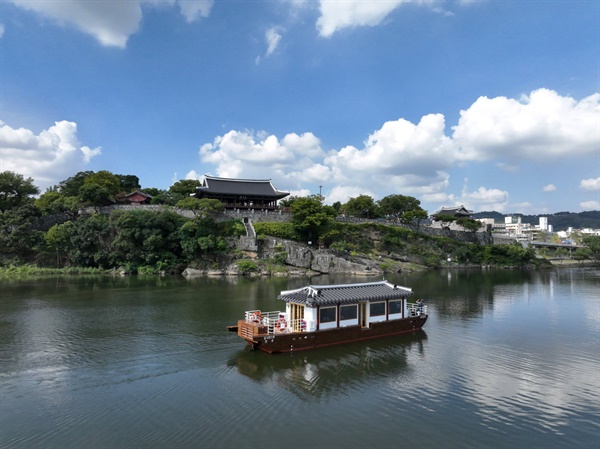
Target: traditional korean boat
[324, 315]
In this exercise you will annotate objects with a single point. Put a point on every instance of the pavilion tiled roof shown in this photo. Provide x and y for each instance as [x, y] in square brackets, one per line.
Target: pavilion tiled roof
[248, 187]
[321, 295]
[454, 210]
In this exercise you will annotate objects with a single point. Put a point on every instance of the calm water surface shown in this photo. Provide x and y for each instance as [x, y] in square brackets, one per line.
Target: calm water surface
[507, 359]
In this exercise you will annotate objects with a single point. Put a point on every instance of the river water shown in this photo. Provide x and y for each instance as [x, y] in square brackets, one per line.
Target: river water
[507, 359]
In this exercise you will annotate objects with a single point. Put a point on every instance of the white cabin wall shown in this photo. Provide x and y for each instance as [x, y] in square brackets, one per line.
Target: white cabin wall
[310, 316]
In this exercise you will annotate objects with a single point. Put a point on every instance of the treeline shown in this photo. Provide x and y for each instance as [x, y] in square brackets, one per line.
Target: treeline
[145, 241]
[135, 240]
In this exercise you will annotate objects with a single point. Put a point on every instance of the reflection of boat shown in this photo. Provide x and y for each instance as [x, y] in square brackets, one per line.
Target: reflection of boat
[334, 369]
[326, 315]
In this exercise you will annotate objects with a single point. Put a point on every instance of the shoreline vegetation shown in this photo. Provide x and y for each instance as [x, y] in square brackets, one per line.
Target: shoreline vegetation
[68, 230]
[33, 271]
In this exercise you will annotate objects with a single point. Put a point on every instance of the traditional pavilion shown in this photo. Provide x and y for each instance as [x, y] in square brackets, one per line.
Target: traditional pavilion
[138, 197]
[458, 212]
[241, 193]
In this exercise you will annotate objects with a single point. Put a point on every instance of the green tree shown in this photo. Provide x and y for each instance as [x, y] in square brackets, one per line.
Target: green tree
[310, 218]
[184, 188]
[469, 224]
[287, 201]
[337, 206]
[397, 205]
[15, 190]
[91, 238]
[19, 237]
[71, 186]
[95, 195]
[445, 218]
[53, 203]
[59, 242]
[202, 208]
[362, 206]
[129, 183]
[106, 180]
[592, 242]
[200, 237]
[145, 238]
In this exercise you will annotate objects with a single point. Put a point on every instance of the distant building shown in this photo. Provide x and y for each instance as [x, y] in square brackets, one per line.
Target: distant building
[256, 194]
[138, 197]
[456, 211]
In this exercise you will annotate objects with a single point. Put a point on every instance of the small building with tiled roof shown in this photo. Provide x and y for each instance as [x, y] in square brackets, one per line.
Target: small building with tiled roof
[454, 211]
[241, 193]
[138, 197]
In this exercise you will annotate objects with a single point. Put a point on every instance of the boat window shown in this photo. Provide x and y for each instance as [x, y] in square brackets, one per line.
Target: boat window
[395, 307]
[348, 312]
[327, 314]
[377, 308]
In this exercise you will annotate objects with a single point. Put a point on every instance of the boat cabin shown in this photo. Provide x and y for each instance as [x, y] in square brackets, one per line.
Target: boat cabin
[322, 307]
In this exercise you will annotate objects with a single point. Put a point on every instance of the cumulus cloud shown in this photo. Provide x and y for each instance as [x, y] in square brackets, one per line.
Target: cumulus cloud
[247, 154]
[336, 15]
[111, 23]
[539, 126]
[415, 159]
[48, 157]
[483, 198]
[592, 184]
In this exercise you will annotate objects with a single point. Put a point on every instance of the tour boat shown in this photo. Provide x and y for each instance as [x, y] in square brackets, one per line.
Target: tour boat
[326, 315]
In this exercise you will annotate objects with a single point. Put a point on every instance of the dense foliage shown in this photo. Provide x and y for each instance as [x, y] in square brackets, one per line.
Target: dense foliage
[51, 231]
[132, 240]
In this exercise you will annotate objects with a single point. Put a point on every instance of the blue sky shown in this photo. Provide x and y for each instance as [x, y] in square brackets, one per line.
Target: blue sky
[494, 105]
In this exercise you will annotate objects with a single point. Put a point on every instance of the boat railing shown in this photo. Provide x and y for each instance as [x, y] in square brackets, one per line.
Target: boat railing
[258, 317]
[416, 309]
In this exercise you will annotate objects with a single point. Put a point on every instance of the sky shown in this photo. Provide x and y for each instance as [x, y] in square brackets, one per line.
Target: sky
[489, 104]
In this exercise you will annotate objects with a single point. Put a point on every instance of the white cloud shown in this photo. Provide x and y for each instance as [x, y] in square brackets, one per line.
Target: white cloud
[483, 199]
[259, 155]
[193, 174]
[415, 159]
[193, 9]
[49, 157]
[590, 184]
[111, 23]
[2, 29]
[344, 193]
[590, 205]
[337, 15]
[541, 125]
[272, 38]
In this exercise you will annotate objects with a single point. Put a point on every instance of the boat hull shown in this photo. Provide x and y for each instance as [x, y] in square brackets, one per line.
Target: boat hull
[301, 341]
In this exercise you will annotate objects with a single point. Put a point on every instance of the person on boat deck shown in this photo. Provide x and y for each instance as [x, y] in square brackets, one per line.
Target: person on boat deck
[281, 324]
[420, 305]
[256, 317]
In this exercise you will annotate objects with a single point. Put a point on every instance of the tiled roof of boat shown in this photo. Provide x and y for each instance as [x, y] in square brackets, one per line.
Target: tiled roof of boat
[319, 295]
[249, 187]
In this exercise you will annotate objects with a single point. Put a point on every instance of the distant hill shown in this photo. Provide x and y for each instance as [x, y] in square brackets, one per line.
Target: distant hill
[560, 221]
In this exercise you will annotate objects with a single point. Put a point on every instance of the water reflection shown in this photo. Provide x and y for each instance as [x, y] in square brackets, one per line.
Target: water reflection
[332, 371]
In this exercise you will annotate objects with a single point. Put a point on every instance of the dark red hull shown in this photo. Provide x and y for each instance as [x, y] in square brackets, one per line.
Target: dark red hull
[301, 341]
